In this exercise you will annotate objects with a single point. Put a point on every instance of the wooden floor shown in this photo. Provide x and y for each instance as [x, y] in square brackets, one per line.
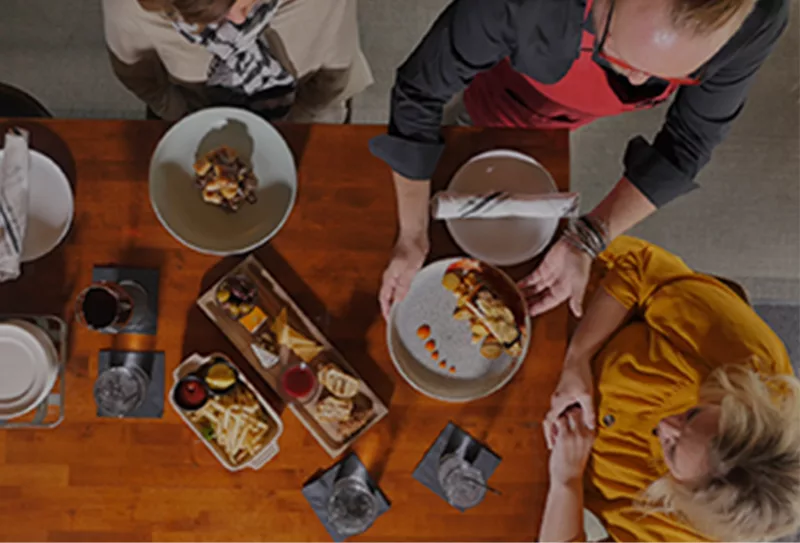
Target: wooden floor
[110, 480]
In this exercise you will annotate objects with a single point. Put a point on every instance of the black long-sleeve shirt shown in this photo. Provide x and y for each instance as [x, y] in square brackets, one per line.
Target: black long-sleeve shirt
[542, 40]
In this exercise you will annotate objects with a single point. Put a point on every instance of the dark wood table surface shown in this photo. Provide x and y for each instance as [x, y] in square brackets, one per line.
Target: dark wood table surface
[142, 480]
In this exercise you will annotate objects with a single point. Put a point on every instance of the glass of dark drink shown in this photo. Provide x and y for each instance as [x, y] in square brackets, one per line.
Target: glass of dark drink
[109, 307]
[299, 382]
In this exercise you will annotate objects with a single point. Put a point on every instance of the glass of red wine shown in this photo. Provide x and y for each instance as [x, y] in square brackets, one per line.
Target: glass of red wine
[109, 307]
[299, 383]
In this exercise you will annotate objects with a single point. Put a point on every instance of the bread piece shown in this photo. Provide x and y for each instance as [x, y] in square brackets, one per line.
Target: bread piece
[339, 383]
[333, 409]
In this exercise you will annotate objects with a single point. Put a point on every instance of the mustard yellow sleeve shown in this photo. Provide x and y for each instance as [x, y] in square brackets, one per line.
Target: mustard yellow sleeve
[694, 313]
[637, 268]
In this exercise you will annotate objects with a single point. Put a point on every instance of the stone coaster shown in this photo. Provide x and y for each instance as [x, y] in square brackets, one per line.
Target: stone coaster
[449, 441]
[153, 363]
[148, 279]
[318, 490]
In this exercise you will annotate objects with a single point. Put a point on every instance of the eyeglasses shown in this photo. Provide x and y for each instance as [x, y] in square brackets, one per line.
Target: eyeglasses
[610, 62]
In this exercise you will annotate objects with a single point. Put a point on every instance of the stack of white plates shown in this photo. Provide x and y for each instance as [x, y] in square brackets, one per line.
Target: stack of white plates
[28, 367]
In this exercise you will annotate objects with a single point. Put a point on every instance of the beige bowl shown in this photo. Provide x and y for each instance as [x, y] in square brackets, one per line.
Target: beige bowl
[178, 202]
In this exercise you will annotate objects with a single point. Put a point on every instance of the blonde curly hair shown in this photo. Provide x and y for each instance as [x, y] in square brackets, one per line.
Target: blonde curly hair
[753, 491]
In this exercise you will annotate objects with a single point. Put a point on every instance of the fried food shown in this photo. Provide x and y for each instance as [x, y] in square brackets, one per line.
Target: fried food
[225, 180]
[236, 423]
[492, 322]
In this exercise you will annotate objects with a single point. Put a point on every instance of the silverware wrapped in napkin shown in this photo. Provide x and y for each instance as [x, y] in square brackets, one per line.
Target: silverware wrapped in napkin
[13, 202]
[498, 205]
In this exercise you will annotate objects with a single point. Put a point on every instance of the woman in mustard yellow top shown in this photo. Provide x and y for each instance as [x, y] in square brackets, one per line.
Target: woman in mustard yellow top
[677, 417]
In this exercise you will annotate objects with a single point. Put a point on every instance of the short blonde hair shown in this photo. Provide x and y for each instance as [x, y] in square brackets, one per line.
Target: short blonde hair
[753, 492]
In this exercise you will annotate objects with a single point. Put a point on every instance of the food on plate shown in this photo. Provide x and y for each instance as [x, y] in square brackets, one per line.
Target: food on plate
[236, 423]
[452, 369]
[338, 383]
[430, 346]
[333, 409]
[479, 300]
[435, 355]
[306, 349]
[443, 364]
[220, 376]
[491, 349]
[424, 332]
[237, 296]
[362, 412]
[191, 393]
[225, 180]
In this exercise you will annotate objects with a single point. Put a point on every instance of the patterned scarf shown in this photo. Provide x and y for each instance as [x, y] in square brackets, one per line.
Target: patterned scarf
[243, 72]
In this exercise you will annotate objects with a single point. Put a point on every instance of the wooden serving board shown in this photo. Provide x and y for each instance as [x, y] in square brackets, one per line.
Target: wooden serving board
[271, 299]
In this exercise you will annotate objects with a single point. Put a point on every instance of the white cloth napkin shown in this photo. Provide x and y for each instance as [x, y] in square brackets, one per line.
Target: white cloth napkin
[497, 205]
[13, 202]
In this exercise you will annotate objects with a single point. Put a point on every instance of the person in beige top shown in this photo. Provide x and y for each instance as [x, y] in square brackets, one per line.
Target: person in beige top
[315, 43]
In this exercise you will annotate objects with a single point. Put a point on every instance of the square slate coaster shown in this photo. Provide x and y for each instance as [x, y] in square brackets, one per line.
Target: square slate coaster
[148, 279]
[153, 363]
[318, 491]
[451, 438]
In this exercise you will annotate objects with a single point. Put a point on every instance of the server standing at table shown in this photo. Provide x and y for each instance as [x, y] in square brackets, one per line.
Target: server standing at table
[562, 64]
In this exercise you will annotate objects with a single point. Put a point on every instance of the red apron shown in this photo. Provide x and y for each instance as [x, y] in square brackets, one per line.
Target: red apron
[503, 97]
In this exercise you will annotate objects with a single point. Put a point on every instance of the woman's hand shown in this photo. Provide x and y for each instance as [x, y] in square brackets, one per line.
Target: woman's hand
[571, 450]
[407, 259]
[561, 276]
[574, 388]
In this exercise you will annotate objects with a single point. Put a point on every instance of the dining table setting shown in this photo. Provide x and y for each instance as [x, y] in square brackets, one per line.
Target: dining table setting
[193, 349]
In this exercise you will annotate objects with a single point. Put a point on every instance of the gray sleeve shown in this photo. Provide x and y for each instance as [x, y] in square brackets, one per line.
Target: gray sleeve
[469, 37]
[701, 116]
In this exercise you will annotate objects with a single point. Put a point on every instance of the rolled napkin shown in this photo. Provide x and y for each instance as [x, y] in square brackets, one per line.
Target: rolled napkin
[499, 205]
[13, 202]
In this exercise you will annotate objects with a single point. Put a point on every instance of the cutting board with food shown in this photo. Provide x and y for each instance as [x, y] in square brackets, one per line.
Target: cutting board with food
[294, 358]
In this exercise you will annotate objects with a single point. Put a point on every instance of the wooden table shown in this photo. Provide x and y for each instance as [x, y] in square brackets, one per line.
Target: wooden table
[109, 480]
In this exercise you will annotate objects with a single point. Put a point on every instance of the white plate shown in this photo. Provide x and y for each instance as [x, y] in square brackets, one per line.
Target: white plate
[428, 302]
[28, 368]
[179, 204]
[502, 242]
[51, 207]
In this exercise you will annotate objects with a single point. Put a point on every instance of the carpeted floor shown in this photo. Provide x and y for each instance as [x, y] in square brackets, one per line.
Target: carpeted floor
[784, 319]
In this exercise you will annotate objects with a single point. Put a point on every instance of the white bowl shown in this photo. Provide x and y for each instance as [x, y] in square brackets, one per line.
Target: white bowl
[509, 241]
[51, 207]
[428, 302]
[179, 204]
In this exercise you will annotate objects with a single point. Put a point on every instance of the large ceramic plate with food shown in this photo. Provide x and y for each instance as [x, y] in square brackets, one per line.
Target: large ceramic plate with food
[462, 331]
[509, 241]
[223, 181]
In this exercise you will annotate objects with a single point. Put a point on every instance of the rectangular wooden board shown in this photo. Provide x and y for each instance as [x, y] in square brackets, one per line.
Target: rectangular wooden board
[335, 438]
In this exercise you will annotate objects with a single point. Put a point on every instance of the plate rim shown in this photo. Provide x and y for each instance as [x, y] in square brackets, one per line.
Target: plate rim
[213, 111]
[62, 177]
[47, 382]
[519, 361]
[500, 153]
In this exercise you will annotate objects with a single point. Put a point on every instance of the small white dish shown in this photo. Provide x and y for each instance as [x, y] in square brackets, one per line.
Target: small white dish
[510, 241]
[51, 207]
[28, 368]
[178, 202]
[428, 302]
